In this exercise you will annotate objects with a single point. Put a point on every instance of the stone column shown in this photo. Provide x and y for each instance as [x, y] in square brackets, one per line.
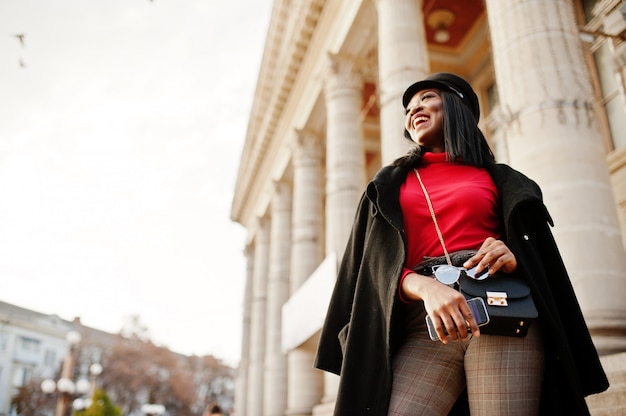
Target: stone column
[308, 207]
[305, 382]
[275, 395]
[244, 362]
[545, 92]
[402, 60]
[258, 320]
[345, 153]
[345, 165]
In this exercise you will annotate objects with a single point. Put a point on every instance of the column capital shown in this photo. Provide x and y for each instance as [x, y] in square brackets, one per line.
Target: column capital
[306, 144]
[261, 224]
[280, 188]
[306, 135]
[248, 250]
[344, 72]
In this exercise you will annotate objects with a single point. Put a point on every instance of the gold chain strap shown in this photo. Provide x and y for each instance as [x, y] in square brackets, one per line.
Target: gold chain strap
[432, 214]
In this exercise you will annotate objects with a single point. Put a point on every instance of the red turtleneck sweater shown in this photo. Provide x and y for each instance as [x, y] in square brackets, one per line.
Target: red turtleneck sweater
[465, 201]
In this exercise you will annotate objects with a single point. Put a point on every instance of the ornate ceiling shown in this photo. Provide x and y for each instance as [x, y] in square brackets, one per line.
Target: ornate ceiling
[448, 22]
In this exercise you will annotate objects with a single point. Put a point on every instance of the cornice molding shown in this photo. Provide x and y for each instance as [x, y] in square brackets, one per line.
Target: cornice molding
[286, 47]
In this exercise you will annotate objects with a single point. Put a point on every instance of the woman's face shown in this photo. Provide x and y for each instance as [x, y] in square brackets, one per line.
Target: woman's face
[424, 120]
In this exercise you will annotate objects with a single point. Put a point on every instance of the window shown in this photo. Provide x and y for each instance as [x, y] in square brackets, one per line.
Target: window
[21, 375]
[29, 344]
[49, 358]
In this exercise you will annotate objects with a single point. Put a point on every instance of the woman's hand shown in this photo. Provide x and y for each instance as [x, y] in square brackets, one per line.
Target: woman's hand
[447, 307]
[495, 255]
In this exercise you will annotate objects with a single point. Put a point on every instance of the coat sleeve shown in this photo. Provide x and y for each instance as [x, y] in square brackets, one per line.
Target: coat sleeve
[334, 331]
[569, 347]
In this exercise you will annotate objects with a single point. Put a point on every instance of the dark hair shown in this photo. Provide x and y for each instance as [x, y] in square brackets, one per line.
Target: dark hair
[462, 138]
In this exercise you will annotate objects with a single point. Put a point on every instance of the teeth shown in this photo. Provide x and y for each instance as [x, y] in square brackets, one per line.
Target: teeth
[419, 119]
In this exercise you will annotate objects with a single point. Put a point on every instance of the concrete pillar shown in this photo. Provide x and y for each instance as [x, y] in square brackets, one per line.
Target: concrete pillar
[552, 136]
[305, 382]
[308, 207]
[345, 154]
[254, 406]
[244, 362]
[275, 395]
[402, 60]
[345, 165]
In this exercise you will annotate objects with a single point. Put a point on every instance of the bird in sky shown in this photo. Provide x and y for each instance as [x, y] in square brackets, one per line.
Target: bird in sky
[20, 36]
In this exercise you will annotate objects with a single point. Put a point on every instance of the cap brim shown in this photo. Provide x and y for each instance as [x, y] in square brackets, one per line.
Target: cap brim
[419, 86]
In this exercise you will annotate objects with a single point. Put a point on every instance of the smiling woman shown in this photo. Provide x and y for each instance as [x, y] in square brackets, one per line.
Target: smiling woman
[446, 197]
[424, 120]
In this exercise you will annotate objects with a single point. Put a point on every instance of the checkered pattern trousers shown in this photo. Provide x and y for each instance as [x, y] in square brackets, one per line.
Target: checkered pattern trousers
[503, 375]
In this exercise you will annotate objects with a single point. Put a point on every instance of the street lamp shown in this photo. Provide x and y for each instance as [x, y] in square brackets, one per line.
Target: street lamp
[152, 409]
[84, 386]
[81, 403]
[66, 387]
[95, 370]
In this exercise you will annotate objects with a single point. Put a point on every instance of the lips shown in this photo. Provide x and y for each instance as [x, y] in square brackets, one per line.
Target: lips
[419, 119]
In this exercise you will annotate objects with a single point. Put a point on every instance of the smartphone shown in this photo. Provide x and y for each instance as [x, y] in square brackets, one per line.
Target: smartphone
[479, 310]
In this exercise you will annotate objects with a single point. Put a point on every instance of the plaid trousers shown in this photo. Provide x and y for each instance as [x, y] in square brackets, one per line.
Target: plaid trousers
[503, 375]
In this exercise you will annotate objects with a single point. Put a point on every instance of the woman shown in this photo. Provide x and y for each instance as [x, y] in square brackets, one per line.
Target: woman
[447, 195]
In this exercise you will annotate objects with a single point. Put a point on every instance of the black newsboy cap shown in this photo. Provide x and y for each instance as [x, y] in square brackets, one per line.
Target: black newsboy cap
[447, 82]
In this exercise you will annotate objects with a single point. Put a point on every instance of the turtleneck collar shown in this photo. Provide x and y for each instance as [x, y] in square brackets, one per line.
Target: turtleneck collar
[429, 157]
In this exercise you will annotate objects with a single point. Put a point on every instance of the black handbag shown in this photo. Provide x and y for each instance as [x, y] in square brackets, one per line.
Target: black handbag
[508, 299]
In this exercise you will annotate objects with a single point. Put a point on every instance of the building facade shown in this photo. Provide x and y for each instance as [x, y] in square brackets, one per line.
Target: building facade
[37, 348]
[327, 114]
[32, 344]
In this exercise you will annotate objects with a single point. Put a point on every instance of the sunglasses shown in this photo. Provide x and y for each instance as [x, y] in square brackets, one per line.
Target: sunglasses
[449, 275]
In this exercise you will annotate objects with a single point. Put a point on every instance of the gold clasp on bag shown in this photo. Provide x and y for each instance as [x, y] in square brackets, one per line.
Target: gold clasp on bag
[497, 299]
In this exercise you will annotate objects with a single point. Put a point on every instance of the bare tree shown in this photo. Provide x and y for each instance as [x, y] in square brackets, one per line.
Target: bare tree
[31, 401]
[138, 372]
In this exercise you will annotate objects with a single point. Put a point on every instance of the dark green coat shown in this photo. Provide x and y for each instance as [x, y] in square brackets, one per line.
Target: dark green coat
[358, 337]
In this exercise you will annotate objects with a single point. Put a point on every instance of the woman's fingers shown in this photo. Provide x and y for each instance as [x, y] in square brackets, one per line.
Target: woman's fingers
[494, 255]
[472, 325]
[454, 321]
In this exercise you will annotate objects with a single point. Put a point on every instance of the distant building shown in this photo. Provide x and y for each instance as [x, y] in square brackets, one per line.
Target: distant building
[327, 114]
[32, 344]
[34, 347]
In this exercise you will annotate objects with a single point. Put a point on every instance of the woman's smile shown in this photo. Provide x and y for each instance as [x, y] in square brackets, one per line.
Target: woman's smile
[424, 120]
[418, 119]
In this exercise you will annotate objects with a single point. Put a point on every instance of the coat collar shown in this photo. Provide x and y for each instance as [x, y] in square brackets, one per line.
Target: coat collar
[384, 193]
[515, 189]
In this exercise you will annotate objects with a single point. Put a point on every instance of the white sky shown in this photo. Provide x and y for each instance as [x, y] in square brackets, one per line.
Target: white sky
[119, 147]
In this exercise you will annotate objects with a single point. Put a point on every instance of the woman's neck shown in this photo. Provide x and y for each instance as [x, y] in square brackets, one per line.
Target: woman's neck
[430, 157]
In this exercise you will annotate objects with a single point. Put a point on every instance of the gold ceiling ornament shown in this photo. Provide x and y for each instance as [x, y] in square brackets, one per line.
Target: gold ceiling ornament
[440, 20]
